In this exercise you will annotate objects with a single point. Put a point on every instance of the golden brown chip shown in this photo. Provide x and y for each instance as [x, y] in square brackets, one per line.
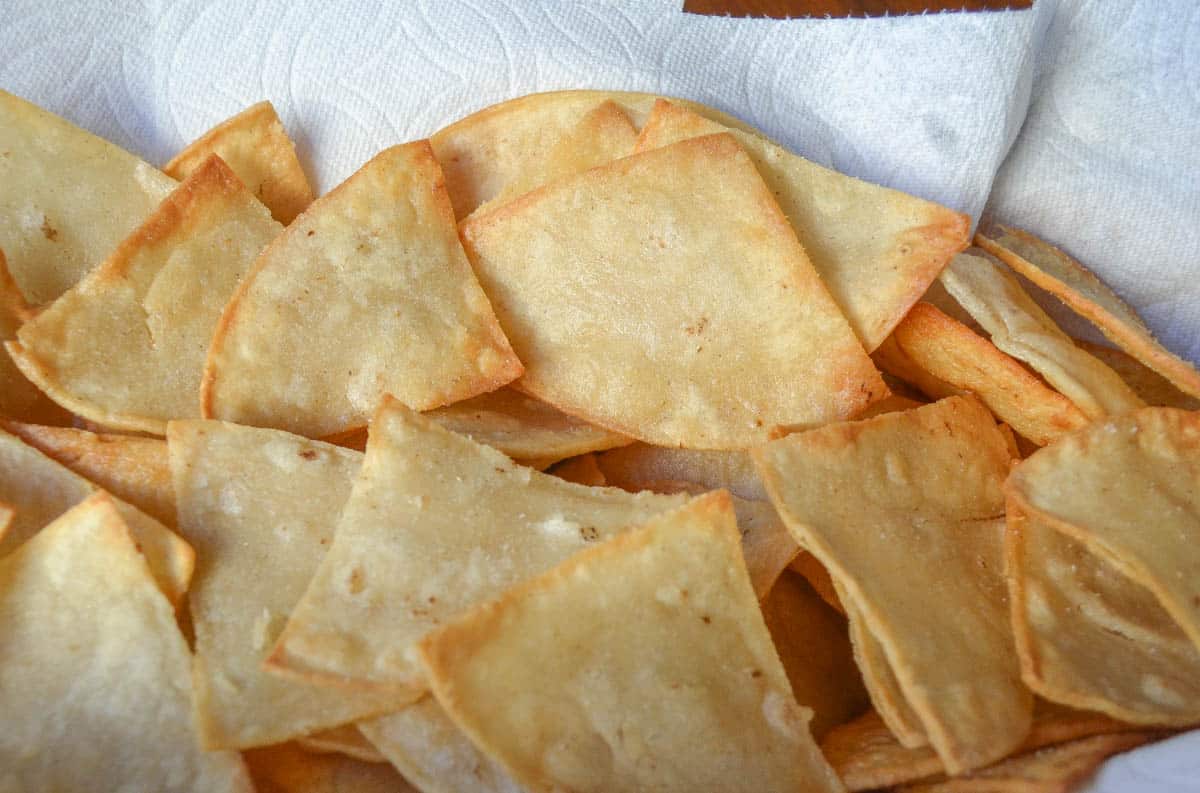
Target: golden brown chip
[67, 198]
[260, 506]
[20, 398]
[437, 523]
[524, 428]
[256, 147]
[641, 664]
[881, 683]
[40, 490]
[346, 739]
[922, 486]
[876, 249]
[895, 365]
[1079, 288]
[368, 292]
[889, 404]
[7, 513]
[954, 354]
[131, 468]
[125, 346]
[94, 670]
[814, 646]
[633, 467]
[581, 470]
[1019, 327]
[685, 272]
[288, 768]
[1154, 389]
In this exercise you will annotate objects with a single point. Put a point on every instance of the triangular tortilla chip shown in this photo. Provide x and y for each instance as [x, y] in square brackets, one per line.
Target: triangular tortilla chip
[876, 249]
[437, 523]
[41, 489]
[66, 198]
[260, 507]
[955, 355]
[430, 750]
[922, 486]
[680, 309]
[94, 671]
[603, 134]
[131, 468]
[1019, 327]
[347, 740]
[20, 398]
[368, 292]
[641, 664]
[1154, 389]
[582, 470]
[125, 346]
[524, 428]
[256, 147]
[1079, 288]
[288, 768]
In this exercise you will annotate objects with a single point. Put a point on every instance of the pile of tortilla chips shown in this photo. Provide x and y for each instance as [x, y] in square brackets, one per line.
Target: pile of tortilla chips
[595, 443]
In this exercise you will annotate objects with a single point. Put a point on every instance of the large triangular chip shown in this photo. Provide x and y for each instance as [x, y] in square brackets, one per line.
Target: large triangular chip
[367, 293]
[256, 147]
[66, 198]
[125, 346]
[260, 507]
[94, 670]
[437, 523]
[20, 398]
[678, 309]
[641, 664]
[923, 486]
[876, 249]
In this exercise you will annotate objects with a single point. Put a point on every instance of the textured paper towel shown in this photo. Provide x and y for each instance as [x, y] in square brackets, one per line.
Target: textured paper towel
[1108, 163]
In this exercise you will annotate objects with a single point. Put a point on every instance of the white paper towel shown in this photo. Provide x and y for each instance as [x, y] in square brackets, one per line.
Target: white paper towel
[1108, 163]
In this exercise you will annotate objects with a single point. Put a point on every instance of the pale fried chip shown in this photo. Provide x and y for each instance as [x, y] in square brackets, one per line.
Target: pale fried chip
[922, 486]
[260, 506]
[582, 470]
[1073, 284]
[346, 739]
[125, 346]
[885, 690]
[818, 578]
[436, 524]
[94, 670]
[889, 404]
[66, 198]
[666, 681]
[955, 355]
[814, 646]
[603, 134]
[40, 490]
[1153, 388]
[524, 428]
[131, 468]
[20, 398]
[1019, 327]
[1056, 769]
[288, 768]
[256, 147]
[431, 751]
[368, 292]
[876, 249]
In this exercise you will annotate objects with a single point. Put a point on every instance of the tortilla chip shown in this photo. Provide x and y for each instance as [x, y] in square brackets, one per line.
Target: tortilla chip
[256, 147]
[925, 485]
[311, 344]
[603, 134]
[867, 756]
[1056, 769]
[876, 249]
[1153, 389]
[1087, 295]
[524, 428]
[260, 507]
[955, 355]
[894, 364]
[885, 690]
[94, 670]
[125, 346]
[7, 514]
[814, 646]
[429, 749]
[66, 198]
[1019, 327]
[640, 664]
[436, 524]
[131, 468]
[726, 301]
[347, 740]
[20, 398]
[582, 470]
[288, 768]
[889, 404]
[40, 490]
[818, 578]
